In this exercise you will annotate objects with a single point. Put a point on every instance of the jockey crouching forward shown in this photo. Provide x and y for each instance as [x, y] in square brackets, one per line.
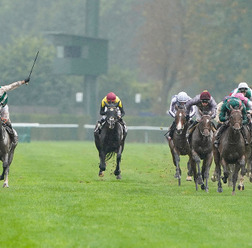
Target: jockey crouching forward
[4, 109]
[178, 101]
[206, 104]
[244, 89]
[108, 99]
[235, 102]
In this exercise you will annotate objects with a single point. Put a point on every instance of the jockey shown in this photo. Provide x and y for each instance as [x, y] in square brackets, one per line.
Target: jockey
[205, 103]
[244, 89]
[110, 98]
[235, 102]
[178, 101]
[4, 109]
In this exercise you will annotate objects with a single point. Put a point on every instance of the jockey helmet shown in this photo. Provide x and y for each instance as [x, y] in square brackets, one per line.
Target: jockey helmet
[243, 85]
[111, 97]
[205, 95]
[182, 97]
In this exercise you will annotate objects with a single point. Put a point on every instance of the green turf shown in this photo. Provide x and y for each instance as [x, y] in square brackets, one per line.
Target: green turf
[56, 199]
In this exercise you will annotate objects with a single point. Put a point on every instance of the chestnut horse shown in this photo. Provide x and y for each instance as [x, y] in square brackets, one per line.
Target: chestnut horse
[202, 149]
[179, 144]
[232, 150]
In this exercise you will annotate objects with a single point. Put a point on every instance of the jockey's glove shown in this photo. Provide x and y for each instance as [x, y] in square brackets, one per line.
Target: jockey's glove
[27, 80]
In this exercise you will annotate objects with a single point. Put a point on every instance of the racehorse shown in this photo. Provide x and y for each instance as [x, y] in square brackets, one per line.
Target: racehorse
[179, 144]
[110, 140]
[6, 153]
[201, 148]
[232, 150]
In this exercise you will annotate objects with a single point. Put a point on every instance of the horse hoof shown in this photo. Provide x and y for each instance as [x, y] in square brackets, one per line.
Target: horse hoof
[220, 190]
[200, 181]
[118, 177]
[179, 181]
[101, 174]
[224, 179]
[250, 179]
[203, 187]
[188, 178]
[233, 192]
[213, 178]
[5, 185]
[241, 188]
[177, 175]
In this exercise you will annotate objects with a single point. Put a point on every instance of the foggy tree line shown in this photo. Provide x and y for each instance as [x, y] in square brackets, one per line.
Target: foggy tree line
[156, 48]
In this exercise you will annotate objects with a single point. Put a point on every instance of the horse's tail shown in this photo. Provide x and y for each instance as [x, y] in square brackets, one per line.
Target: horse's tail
[109, 155]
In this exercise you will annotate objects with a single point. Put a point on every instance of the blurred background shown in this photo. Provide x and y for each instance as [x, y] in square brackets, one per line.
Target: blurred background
[143, 50]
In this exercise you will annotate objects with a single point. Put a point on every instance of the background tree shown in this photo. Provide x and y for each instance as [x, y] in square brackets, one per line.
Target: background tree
[163, 51]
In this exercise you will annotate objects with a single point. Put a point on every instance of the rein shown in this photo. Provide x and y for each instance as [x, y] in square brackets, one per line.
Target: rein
[200, 127]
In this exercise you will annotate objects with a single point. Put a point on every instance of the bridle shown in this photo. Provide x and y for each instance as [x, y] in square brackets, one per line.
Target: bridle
[205, 125]
[180, 119]
[235, 119]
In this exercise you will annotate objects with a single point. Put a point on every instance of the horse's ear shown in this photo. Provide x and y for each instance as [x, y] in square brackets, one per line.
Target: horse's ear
[200, 112]
[106, 104]
[176, 107]
[231, 107]
[117, 104]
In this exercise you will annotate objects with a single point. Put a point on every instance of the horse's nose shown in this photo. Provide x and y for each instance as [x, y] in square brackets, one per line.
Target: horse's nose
[237, 126]
[206, 132]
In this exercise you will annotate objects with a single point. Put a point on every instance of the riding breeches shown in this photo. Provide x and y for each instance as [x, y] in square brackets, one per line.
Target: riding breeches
[5, 115]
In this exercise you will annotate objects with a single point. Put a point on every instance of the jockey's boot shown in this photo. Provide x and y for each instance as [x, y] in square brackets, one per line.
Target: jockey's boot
[12, 133]
[125, 130]
[244, 135]
[171, 130]
[99, 126]
[218, 135]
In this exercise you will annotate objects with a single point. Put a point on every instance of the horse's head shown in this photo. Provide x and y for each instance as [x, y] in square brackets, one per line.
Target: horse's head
[111, 114]
[205, 125]
[180, 119]
[235, 118]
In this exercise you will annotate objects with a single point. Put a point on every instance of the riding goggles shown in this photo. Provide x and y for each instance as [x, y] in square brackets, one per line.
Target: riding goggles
[243, 89]
[205, 101]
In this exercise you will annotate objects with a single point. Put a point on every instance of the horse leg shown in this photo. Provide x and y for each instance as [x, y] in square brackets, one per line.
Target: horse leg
[216, 155]
[117, 171]
[6, 167]
[198, 179]
[176, 159]
[225, 171]
[241, 185]
[243, 173]
[235, 177]
[189, 171]
[102, 165]
[206, 165]
[218, 173]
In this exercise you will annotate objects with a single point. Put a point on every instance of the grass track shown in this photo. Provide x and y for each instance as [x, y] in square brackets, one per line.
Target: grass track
[56, 199]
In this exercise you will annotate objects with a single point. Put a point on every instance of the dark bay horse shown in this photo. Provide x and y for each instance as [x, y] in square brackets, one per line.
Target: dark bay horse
[179, 144]
[232, 150]
[6, 153]
[202, 149]
[110, 140]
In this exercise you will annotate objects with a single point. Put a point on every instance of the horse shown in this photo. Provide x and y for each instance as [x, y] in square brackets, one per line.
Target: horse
[232, 153]
[6, 153]
[202, 149]
[179, 144]
[110, 140]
